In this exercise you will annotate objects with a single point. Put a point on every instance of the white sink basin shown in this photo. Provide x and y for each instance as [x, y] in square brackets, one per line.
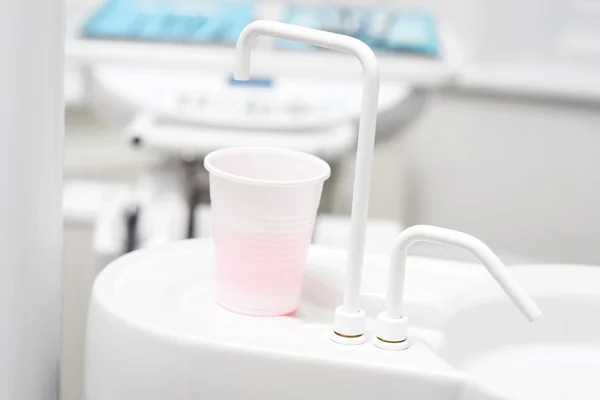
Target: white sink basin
[155, 332]
[557, 357]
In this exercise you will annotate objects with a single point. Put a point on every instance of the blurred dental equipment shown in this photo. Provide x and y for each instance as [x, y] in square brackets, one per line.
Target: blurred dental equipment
[179, 104]
[215, 22]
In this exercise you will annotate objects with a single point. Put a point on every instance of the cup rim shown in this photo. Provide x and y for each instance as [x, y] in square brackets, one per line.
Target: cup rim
[211, 168]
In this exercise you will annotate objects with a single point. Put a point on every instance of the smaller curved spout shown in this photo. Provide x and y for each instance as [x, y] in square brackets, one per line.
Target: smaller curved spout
[424, 233]
[392, 326]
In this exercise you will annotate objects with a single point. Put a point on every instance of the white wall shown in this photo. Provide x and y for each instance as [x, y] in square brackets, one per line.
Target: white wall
[517, 166]
[31, 131]
[524, 175]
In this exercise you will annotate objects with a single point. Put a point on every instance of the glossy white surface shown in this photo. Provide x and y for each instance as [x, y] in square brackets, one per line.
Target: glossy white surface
[31, 134]
[545, 371]
[155, 332]
[555, 358]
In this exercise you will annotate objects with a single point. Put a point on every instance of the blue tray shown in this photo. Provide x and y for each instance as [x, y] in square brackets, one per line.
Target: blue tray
[394, 31]
[212, 22]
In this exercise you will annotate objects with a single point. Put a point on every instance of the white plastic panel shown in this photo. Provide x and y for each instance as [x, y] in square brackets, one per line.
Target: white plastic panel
[31, 126]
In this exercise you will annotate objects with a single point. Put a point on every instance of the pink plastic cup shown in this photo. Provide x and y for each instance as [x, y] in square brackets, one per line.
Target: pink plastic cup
[264, 204]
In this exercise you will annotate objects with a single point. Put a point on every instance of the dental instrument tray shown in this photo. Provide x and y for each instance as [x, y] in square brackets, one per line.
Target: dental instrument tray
[412, 32]
[220, 23]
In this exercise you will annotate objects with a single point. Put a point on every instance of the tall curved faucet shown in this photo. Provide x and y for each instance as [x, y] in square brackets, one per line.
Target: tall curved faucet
[349, 322]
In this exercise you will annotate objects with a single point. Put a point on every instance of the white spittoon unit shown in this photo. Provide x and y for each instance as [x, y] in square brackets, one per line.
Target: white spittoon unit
[155, 331]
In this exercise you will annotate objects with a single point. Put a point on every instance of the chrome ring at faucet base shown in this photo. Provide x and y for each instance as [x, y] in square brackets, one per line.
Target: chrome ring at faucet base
[348, 340]
[388, 345]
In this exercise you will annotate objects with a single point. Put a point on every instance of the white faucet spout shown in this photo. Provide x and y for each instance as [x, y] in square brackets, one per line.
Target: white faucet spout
[349, 319]
[424, 233]
[392, 324]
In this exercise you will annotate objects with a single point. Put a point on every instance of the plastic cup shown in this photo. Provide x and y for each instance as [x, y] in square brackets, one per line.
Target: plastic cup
[264, 204]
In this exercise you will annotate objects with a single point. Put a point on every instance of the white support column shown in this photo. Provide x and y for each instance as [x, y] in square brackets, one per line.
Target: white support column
[31, 140]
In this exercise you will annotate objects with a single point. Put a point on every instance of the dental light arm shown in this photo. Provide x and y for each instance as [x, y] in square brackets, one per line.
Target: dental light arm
[392, 325]
[349, 320]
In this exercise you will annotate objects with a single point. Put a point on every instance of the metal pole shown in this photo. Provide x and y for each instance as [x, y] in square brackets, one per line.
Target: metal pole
[31, 137]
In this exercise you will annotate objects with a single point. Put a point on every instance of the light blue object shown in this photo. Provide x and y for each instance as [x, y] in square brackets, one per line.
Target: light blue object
[414, 32]
[163, 20]
[220, 22]
[254, 82]
[384, 30]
